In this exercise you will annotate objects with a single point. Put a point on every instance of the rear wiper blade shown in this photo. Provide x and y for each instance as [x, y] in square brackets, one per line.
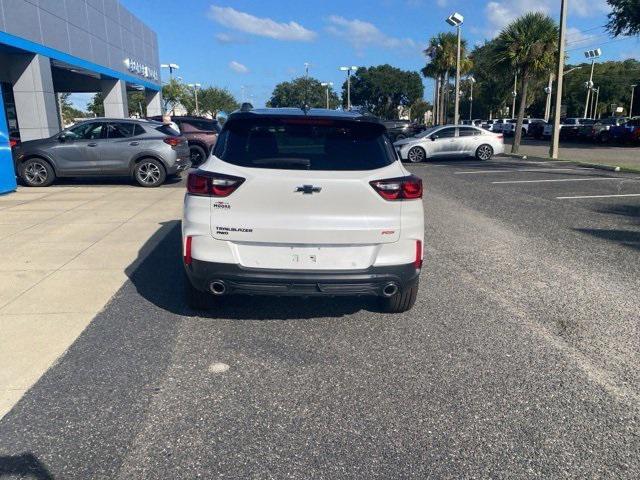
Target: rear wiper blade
[303, 163]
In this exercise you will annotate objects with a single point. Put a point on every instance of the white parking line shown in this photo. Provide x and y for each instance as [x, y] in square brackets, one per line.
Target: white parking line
[564, 180]
[600, 196]
[517, 170]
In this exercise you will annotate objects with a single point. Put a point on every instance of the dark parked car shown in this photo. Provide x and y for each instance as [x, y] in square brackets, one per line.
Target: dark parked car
[627, 132]
[601, 130]
[401, 129]
[144, 150]
[201, 133]
[536, 129]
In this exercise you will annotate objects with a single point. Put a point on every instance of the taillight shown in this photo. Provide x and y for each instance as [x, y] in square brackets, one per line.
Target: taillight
[173, 141]
[418, 261]
[207, 184]
[402, 188]
[187, 250]
[13, 142]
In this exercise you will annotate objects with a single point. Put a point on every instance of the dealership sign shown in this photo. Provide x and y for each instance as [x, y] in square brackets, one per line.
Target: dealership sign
[141, 69]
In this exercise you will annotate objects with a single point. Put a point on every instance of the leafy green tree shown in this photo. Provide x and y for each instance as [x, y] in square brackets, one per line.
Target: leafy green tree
[172, 92]
[382, 89]
[96, 105]
[213, 100]
[137, 104]
[418, 109]
[528, 46]
[69, 112]
[303, 91]
[624, 18]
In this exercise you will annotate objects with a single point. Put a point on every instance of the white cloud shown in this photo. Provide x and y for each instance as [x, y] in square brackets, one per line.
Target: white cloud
[227, 38]
[362, 34]
[499, 13]
[238, 67]
[264, 27]
[442, 3]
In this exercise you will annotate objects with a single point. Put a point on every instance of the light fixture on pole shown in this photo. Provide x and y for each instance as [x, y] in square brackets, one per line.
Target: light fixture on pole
[327, 86]
[195, 87]
[592, 54]
[171, 67]
[555, 136]
[472, 81]
[456, 20]
[633, 89]
[349, 70]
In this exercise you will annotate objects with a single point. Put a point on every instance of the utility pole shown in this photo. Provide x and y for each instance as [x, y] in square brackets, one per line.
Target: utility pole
[455, 20]
[472, 81]
[555, 136]
[195, 87]
[306, 69]
[595, 104]
[633, 89]
[514, 94]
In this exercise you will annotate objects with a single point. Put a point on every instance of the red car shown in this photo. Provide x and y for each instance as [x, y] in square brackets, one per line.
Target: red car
[201, 133]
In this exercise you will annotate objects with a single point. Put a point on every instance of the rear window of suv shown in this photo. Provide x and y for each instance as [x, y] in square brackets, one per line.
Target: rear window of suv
[304, 144]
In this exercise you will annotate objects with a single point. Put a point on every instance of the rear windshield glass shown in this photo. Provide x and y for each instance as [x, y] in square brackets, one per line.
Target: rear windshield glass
[168, 130]
[304, 144]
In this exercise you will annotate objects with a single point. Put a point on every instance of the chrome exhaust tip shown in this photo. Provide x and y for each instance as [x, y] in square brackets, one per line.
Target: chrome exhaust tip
[218, 287]
[389, 290]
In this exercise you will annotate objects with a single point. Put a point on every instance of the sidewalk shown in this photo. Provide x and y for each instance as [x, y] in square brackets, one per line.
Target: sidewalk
[64, 254]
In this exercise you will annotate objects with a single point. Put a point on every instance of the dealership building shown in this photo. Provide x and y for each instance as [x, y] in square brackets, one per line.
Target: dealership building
[49, 47]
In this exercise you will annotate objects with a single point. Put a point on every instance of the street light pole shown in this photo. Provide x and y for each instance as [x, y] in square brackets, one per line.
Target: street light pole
[553, 149]
[633, 89]
[195, 87]
[171, 67]
[594, 112]
[472, 80]
[514, 94]
[548, 90]
[350, 69]
[455, 20]
[592, 54]
[327, 85]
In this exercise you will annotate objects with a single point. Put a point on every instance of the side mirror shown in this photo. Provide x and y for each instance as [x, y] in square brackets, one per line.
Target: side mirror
[434, 138]
[63, 137]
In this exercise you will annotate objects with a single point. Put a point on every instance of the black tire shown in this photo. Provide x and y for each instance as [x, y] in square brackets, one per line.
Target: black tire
[197, 154]
[524, 133]
[604, 137]
[37, 172]
[196, 300]
[149, 173]
[401, 302]
[400, 136]
[484, 152]
[416, 155]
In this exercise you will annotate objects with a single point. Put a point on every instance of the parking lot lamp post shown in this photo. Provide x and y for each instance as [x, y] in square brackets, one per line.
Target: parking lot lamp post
[171, 67]
[633, 89]
[327, 85]
[471, 81]
[592, 54]
[349, 70]
[455, 20]
[195, 87]
[548, 90]
[595, 105]
[514, 94]
[555, 138]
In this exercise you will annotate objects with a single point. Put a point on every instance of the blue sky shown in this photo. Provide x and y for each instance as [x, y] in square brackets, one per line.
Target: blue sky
[258, 43]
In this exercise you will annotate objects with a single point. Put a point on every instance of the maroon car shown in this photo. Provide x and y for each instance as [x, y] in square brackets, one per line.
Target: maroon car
[201, 133]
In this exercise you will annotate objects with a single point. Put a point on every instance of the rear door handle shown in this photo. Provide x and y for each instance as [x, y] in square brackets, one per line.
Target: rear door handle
[92, 145]
[133, 144]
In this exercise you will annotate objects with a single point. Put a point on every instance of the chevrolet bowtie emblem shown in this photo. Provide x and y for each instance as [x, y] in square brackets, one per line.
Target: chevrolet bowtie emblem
[308, 189]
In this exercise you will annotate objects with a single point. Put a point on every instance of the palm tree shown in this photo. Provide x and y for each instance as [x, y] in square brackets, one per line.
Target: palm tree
[528, 46]
[442, 53]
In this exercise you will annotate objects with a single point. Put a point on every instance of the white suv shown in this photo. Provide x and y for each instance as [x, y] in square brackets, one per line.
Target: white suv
[304, 203]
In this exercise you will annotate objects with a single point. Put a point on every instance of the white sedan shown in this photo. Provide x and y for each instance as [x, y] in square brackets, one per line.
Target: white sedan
[450, 141]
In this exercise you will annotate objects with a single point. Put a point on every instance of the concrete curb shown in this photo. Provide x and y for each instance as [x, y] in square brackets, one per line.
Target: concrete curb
[597, 166]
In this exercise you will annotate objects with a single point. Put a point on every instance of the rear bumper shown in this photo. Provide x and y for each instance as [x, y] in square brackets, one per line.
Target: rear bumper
[241, 280]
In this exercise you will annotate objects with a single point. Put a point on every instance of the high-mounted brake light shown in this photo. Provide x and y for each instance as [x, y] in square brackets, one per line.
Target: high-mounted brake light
[207, 184]
[402, 188]
[173, 141]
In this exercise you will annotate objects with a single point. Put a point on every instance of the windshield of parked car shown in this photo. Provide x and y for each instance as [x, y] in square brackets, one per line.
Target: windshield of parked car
[304, 144]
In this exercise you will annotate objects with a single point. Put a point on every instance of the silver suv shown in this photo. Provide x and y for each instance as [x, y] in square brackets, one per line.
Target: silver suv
[144, 150]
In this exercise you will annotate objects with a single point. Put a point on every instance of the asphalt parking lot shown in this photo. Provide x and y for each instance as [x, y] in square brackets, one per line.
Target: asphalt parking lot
[519, 359]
